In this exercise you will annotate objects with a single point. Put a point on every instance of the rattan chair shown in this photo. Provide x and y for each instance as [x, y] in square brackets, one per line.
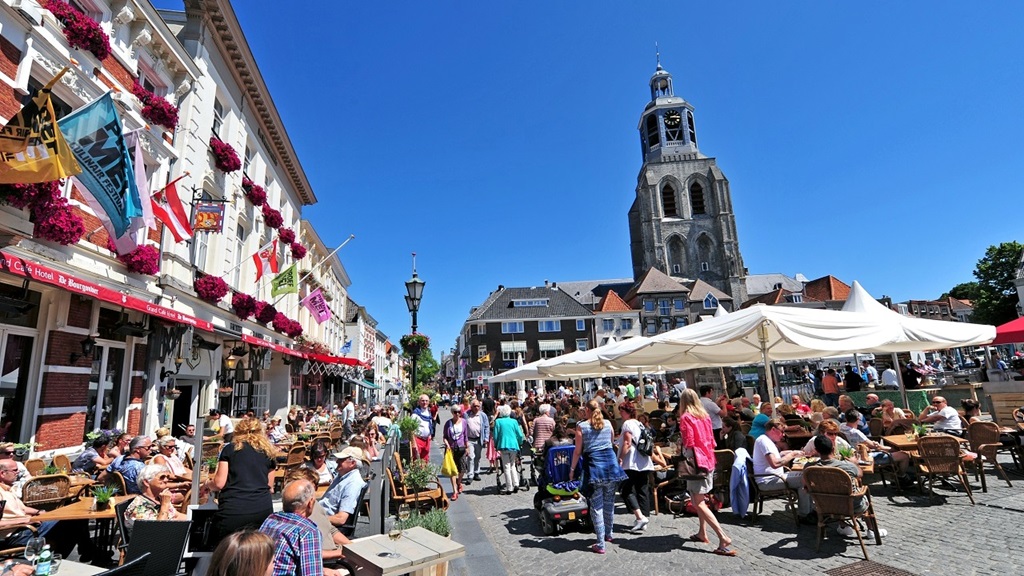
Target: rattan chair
[62, 463]
[47, 492]
[835, 498]
[116, 481]
[984, 439]
[35, 466]
[877, 428]
[940, 457]
[901, 426]
[296, 456]
[211, 450]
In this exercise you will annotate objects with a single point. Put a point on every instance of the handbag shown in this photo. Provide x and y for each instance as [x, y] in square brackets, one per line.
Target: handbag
[687, 469]
[448, 467]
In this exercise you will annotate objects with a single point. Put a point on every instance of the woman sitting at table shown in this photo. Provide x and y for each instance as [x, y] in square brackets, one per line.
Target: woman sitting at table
[325, 469]
[882, 455]
[168, 456]
[93, 459]
[828, 428]
[733, 437]
[372, 441]
[245, 480]
[154, 502]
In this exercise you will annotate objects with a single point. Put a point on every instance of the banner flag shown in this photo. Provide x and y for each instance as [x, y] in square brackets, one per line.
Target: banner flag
[348, 343]
[484, 359]
[209, 217]
[167, 207]
[32, 147]
[287, 282]
[134, 141]
[317, 306]
[266, 259]
[94, 136]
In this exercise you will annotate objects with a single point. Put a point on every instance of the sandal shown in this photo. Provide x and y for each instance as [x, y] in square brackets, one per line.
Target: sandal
[725, 551]
[696, 538]
[455, 496]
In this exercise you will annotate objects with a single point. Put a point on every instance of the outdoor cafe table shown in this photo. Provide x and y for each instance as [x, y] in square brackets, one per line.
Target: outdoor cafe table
[72, 568]
[418, 550]
[901, 442]
[81, 510]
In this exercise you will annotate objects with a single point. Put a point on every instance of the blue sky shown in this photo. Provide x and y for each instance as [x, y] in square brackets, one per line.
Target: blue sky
[874, 141]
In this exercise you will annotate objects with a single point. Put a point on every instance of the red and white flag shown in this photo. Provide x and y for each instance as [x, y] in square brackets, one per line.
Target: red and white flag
[266, 259]
[167, 207]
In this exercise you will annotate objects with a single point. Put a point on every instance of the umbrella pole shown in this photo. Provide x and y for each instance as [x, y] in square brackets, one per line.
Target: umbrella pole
[762, 337]
[899, 377]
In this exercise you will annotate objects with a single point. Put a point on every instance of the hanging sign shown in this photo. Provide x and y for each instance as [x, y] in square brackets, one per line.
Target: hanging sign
[209, 217]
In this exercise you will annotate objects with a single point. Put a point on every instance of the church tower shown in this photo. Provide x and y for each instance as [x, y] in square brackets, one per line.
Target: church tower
[682, 221]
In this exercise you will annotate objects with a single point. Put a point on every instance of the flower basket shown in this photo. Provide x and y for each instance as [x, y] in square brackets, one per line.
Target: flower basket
[211, 288]
[156, 110]
[225, 392]
[413, 344]
[271, 217]
[243, 305]
[224, 156]
[81, 31]
[298, 251]
[143, 260]
[172, 394]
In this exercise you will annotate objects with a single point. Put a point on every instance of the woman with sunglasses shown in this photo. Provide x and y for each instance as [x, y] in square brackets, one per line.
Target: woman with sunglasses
[318, 463]
[168, 456]
[154, 502]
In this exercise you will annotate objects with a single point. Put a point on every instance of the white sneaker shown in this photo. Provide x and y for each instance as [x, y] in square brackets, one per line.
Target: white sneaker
[641, 524]
[847, 531]
[882, 532]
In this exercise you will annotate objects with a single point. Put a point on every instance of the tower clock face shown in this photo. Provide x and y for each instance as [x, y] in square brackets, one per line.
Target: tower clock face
[673, 119]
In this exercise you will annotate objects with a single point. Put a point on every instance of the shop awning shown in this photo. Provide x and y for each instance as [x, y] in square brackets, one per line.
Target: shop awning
[46, 275]
[328, 359]
[364, 384]
[257, 341]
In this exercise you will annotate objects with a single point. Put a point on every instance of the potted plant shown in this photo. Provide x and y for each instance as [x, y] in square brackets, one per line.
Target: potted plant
[407, 427]
[211, 464]
[172, 393]
[413, 344]
[845, 452]
[419, 474]
[103, 496]
[225, 391]
[435, 520]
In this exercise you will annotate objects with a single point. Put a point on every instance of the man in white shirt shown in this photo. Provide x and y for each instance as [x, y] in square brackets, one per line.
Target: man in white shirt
[348, 417]
[942, 415]
[222, 426]
[768, 466]
[870, 374]
[890, 380]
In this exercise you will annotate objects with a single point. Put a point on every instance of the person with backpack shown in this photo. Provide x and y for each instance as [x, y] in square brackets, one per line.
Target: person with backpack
[636, 442]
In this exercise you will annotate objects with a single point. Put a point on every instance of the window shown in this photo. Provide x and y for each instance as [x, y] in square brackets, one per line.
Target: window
[550, 348]
[676, 268]
[549, 325]
[668, 201]
[681, 321]
[581, 325]
[534, 303]
[704, 266]
[710, 302]
[608, 324]
[679, 304]
[481, 351]
[218, 117]
[777, 286]
[648, 305]
[511, 327]
[240, 234]
[697, 199]
[693, 129]
[627, 324]
[60, 108]
[510, 351]
[247, 162]
[666, 324]
[581, 343]
[652, 326]
[902, 309]
[795, 298]
[653, 138]
[477, 329]
[663, 307]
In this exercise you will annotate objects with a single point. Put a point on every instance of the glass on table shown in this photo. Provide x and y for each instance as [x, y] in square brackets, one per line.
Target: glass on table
[55, 563]
[33, 547]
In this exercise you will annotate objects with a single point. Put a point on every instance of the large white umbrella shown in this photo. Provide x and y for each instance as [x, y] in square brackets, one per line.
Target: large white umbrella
[588, 363]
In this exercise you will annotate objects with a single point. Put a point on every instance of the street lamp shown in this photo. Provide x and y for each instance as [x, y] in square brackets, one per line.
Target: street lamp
[414, 293]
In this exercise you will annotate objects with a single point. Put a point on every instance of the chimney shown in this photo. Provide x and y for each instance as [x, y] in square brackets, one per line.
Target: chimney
[546, 283]
[501, 287]
[554, 285]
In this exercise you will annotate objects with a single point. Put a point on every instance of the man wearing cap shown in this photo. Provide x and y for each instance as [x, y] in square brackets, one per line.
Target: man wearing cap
[342, 496]
[223, 428]
[424, 435]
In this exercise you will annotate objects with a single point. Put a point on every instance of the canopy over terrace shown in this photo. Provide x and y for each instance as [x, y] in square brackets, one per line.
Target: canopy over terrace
[1011, 332]
[575, 364]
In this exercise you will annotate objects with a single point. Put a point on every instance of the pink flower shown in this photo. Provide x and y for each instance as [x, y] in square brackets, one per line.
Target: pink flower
[281, 322]
[265, 312]
[294, 329]
[243, 305]
[211, 288]
[81, 31]
[271, 217]
[224, 156]
[24, 195]
[57, 222]
[143, 260]
[257, 195]
[286, 235]
[155, 109]
[298, 251]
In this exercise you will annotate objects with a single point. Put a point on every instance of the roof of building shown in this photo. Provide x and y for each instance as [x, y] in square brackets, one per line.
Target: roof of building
[959, 304]
[499, 304]
[827, 288]
[655, 281]
[612, 302]
[589, 291]
[699, 290]
[758, 284]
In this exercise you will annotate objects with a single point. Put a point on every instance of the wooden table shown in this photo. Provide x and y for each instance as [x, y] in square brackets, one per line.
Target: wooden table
[865, 467]
[78, 510]
[901, 442]
[419, 549]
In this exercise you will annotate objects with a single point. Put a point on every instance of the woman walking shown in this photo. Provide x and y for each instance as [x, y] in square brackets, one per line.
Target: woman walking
[697, 445]
[636, 489]
[508, 438]
[603, 473]
[455, 440]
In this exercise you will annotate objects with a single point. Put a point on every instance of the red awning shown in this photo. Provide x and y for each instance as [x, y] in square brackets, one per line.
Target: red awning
[1011, 332]
[328, 359]
[275, 347]
[39, 273]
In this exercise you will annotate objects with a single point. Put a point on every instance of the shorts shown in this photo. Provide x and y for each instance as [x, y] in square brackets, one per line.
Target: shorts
[701, 486]
[881, 458]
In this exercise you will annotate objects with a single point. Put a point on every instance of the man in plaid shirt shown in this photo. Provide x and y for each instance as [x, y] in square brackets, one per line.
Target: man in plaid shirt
[298, 549]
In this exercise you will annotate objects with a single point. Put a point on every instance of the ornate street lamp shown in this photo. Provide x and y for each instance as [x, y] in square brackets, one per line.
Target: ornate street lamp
[414, 293]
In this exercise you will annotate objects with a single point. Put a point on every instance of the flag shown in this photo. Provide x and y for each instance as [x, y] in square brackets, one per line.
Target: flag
[94, 135]
[167, 207]
[32, 147]
[485, 359]
[266, 259]
[287, 282]
[348, 343]
[131, 239]
[317, 306]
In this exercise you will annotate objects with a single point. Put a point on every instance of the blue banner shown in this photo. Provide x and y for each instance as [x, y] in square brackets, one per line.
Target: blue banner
[94, 135]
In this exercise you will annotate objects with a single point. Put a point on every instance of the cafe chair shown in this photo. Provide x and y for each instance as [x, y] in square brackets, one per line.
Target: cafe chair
[940, 457]
[47, 492]
[163, 541]
[984, 439]
[296, 456]
[62, 463]
[211, 450]
[35, 466]
[877, 429]
[430, 498]
[20, 550]
[834, 496]
[349, 527]
[119, 510]
[336, 432]
[724, 460]
[116, 481]
[900, 426]
[760, 494]
[136, 567]
[745, 427]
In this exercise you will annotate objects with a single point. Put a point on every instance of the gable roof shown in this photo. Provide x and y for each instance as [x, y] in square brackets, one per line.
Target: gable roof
[758, 284]
[612, 302]
[827, 288]
[589, 291]
[499, 305]
[699, 290]
[654, 281]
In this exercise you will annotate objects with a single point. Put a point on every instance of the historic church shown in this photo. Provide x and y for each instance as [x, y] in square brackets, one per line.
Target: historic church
[681, 222]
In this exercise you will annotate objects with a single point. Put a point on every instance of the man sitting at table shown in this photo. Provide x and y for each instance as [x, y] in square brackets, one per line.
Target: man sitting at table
[879, 453]
[63, 536]
[824, 448]
[768, 471]
[331, 539]
[942, 415]
[342, 495]
[93, 459]
[845, 405]
[298, 549]
[139, 451]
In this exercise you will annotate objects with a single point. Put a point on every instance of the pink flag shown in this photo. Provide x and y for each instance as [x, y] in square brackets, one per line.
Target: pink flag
[317, 306]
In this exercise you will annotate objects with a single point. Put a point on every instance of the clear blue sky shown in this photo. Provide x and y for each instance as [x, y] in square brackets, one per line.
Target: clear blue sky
[874, 141]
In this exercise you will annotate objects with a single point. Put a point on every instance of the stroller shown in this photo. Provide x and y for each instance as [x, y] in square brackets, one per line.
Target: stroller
[558, 499]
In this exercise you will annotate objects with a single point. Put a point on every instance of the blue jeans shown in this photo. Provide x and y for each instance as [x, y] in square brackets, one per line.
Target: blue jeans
[831, 400]
[21, 537]
[602, 510]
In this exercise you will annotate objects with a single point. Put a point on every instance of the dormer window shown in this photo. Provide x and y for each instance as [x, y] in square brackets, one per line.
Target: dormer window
[710, 302]
[530, 303]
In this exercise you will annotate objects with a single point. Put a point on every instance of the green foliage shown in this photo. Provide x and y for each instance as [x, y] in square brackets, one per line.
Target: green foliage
[964, 291]
[419, 474]
[996, 300]
[408, 425]
[435, 520]
[103, 493]
[51, 469]
[426, 367]
[211, 463]
[846, 452]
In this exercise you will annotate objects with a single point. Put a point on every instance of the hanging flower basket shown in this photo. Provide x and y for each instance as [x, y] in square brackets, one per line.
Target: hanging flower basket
[143, 260]
[298, 251]
[225, 391]
[81, 31]
[172, 394]
[286, 235]
[224, 156]
[57, 222]
[243, 305]
[254, 192]
[271, 217]
[413, 344]
[211, 288]
[265, 312]
[156, 110]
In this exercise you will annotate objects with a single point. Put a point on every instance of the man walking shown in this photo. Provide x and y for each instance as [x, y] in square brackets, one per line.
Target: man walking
[478, 432]
[348, 416]
[425, 433]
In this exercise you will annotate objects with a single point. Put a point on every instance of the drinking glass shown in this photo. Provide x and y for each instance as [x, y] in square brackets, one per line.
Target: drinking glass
[33, 547]
[393, 535]
[55, 563]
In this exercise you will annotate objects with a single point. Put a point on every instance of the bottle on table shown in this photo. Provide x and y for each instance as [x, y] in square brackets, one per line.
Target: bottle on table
[43, 561]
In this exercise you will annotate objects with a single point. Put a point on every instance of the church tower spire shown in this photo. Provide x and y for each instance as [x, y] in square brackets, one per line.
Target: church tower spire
[666, 126]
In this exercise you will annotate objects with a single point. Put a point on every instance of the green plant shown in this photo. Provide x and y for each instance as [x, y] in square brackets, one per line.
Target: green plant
[51, 469]
[846, 452]
[103, 494]
[408, 425]
[435, 520]
[211, 463]
[419, 473]
[920, 430]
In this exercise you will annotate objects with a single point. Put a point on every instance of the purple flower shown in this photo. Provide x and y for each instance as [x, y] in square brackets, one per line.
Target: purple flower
[243, 305]
[143, 260]
[224, 156]
[286, 235]
[298, 251]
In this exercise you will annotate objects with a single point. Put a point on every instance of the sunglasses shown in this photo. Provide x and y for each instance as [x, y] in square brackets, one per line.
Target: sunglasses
[937, 402]
[163, 478]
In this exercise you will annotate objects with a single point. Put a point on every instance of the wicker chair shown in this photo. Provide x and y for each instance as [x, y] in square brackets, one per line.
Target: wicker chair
[940, 456]
[47, 492]
[835, 497]
[296, 456]
[211, 449]
[984, 438]
[35, 466]
[116, 481]
[877, 428]
[62, 463]
[901, 426]
[430, 498]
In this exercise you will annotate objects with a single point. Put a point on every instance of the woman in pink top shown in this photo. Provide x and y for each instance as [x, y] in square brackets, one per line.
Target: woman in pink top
[697, 444]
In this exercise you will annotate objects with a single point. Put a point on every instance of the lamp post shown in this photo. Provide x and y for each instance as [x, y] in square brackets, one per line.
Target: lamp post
[414, 292]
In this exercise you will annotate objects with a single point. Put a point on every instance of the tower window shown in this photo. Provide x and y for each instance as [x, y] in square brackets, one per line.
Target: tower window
[704, 267]
[653, 138]
[668, 201]
[697, 199]
[693, 130]
[676, 268]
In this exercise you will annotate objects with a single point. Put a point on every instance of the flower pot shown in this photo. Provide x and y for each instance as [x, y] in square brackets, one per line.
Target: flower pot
[225, 393]
[172, 395]
[102, 505]
[413, 349]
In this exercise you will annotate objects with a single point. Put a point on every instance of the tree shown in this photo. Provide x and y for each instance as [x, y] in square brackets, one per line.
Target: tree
[426, 366]
[996, 299]
[964, 291]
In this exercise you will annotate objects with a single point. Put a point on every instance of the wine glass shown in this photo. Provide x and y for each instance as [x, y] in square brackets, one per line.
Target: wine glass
[33, 547]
